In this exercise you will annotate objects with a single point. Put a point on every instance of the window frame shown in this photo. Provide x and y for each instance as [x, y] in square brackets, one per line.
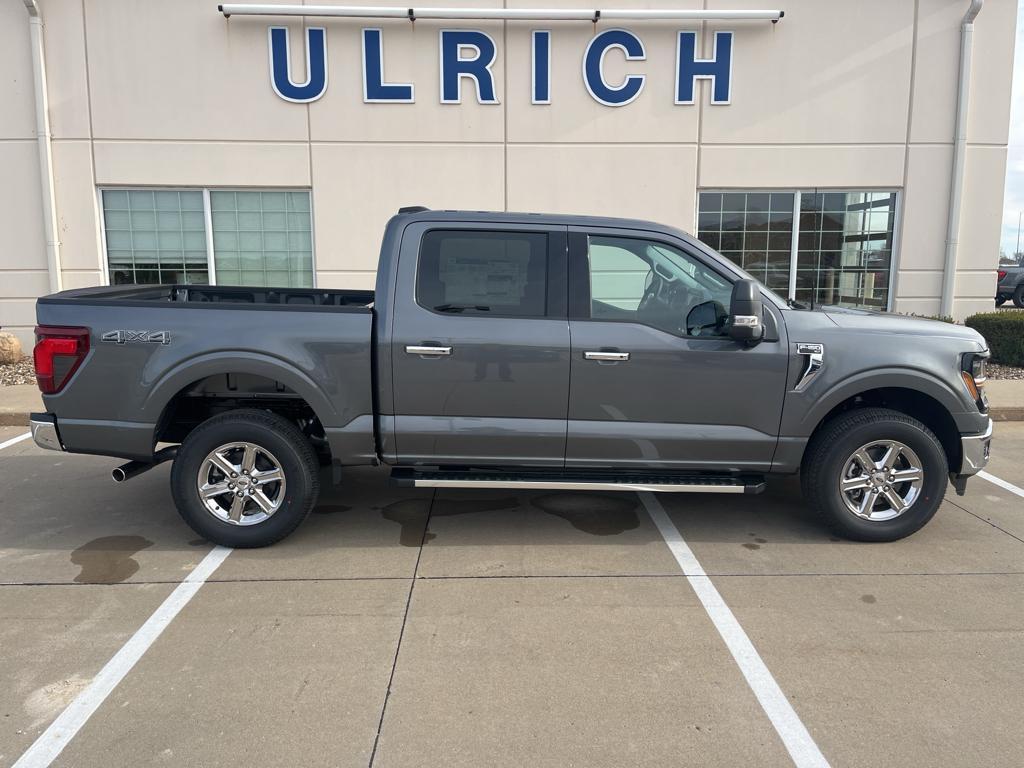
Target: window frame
[556, 274]
[897, 229]
[579, 273]
[207, 219]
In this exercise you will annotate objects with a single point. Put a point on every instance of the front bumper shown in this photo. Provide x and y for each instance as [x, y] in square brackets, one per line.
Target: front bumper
[44, 431]
[975, 450]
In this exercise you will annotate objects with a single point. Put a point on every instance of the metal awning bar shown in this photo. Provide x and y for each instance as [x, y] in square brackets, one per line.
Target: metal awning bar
[500, 14]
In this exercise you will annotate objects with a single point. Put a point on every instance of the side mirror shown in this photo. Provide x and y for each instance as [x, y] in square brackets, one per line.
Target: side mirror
[746, 314]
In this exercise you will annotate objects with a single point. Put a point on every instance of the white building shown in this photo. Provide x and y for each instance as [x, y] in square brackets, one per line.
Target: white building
[185, 146]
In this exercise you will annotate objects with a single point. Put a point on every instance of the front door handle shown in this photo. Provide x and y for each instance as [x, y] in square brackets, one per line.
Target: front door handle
[611, 357]
[415, 349]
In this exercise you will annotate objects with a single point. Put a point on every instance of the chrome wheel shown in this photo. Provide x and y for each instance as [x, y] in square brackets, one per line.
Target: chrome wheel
[241, 483]
[882, 480]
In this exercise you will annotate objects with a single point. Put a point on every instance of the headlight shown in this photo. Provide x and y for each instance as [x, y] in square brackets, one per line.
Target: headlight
[972, 371]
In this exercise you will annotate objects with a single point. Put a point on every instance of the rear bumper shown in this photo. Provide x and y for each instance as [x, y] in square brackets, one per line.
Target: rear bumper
[43, 427]
[975, 451]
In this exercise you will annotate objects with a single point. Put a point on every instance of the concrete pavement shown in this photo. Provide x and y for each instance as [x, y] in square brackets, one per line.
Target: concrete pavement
[406, 628]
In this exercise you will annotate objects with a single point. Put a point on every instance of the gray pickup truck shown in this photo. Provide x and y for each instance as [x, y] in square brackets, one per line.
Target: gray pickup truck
[1010, 286]
[504, 350]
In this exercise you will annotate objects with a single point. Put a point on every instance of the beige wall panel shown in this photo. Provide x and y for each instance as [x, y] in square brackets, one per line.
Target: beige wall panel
[354, 280]
[67, 83]
[81, 279]
[835, 72]
[195, 164]
[966, 307]
[357, 188]
[919, 283]
[910, 306]
[981, 218]
[17, 117]
[21, 204]
[992, 72]
[411, 55]
[180, 70]
[19, 316]
[976, 285]
[35, 282]
[863, 167]
[925, 206]
[573, 114]
[77, 216]
[655, 182]
[936, 72]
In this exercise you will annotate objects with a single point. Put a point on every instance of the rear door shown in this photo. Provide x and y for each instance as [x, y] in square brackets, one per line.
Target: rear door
[653, 386]
[480, 347]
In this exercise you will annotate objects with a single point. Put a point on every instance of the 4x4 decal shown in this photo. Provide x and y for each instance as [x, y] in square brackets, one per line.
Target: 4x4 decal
[133, 337]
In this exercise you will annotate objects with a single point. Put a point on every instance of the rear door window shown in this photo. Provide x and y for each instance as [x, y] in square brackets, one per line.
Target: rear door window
[488, 273]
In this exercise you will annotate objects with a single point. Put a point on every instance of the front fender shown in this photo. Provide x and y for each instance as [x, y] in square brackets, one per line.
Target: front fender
[803, 411]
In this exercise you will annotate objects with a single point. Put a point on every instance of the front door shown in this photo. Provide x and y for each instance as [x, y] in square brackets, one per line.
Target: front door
[480, 347]
[654, 386]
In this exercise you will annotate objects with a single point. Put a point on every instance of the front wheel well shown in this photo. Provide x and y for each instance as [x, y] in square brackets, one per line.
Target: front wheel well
[913, 403]
[220, 393]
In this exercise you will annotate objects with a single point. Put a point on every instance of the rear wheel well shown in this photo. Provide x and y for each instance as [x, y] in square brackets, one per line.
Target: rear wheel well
[223, 392]
[913, 403]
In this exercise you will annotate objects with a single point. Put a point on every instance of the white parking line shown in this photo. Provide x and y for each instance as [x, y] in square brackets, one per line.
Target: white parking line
[784, 719]
[13, 440]
[1002, 483]
[53, 740]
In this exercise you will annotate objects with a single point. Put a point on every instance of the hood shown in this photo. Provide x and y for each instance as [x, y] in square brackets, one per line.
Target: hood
[905, 325]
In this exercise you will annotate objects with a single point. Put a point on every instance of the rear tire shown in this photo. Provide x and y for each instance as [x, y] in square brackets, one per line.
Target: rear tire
[846, 478]
[1018, 297]
[248, 507]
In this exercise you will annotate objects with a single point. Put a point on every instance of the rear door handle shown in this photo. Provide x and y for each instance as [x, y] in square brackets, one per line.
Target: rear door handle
[414, 349]
[613, 357]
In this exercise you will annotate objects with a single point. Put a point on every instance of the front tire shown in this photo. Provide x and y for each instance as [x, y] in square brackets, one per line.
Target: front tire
[875, 474]
[246, 478]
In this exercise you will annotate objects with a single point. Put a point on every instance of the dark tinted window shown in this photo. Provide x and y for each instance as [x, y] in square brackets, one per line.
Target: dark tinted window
[493, 273]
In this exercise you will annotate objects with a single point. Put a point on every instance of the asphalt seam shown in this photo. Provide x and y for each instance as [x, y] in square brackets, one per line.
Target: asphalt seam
[401, 632]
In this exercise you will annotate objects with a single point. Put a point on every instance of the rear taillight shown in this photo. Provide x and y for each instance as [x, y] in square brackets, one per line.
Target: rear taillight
[57, 354]
[1001, 273]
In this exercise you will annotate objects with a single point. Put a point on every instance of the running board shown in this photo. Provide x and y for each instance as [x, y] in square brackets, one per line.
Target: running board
[578, 481]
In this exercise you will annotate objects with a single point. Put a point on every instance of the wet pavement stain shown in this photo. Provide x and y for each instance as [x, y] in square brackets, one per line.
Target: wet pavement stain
[748, 545]
[109, 559]
[869, 599]
[198, 543]
[597, 515]
[411, 514]
[330, 509]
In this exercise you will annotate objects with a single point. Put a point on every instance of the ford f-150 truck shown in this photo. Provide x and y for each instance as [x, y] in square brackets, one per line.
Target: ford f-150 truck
[1010, 286]
[515, 351]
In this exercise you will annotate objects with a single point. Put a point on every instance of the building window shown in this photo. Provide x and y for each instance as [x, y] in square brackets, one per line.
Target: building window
[256, 237]
[841, 242]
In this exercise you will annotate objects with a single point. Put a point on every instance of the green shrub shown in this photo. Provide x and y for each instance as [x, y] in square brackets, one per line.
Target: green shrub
[1004, 332]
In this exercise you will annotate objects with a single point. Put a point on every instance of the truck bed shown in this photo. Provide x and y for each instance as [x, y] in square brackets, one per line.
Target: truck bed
[150, 346]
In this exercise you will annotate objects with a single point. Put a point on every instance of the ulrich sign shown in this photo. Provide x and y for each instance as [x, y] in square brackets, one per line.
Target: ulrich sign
[468, 54]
